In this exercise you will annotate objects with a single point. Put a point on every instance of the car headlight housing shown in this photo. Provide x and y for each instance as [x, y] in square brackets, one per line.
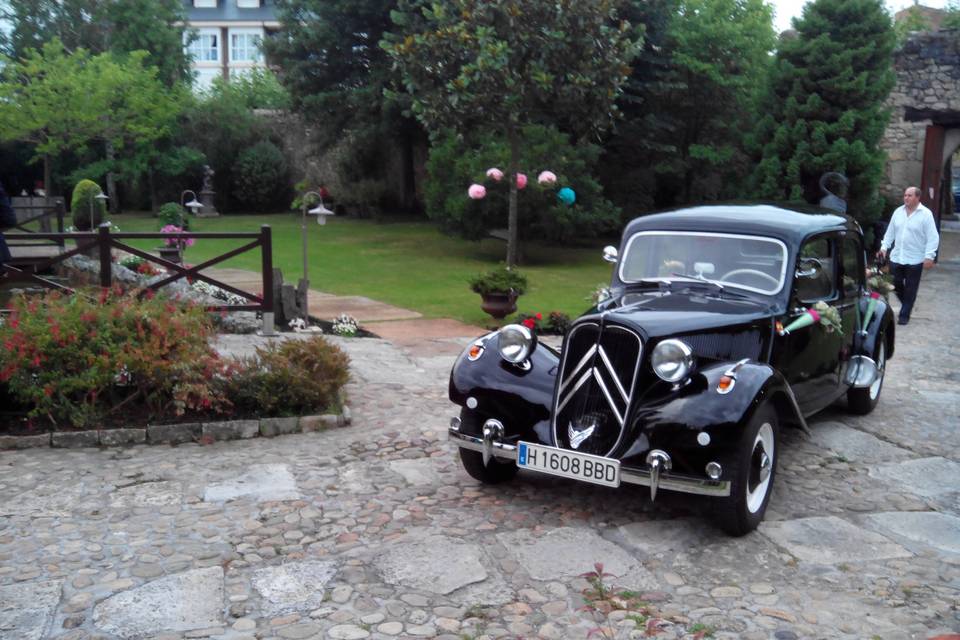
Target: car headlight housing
[672, 360]
[516, 343]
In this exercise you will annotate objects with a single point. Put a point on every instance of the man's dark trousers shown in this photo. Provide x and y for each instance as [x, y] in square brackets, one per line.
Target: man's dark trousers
[906, 282]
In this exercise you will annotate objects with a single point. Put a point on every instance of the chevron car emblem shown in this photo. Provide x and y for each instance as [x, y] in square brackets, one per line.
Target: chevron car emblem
[577, 434]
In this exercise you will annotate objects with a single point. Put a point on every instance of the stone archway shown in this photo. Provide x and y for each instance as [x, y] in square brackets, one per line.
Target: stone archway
[924, 128]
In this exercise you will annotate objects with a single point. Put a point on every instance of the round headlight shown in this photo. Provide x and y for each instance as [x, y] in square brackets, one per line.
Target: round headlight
[672, 360]
[516, 343]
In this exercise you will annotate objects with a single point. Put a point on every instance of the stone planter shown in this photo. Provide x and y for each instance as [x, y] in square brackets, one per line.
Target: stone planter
[499, 304]
[169, 253]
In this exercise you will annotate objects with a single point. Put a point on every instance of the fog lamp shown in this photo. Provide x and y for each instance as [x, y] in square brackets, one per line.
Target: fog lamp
[714, 470]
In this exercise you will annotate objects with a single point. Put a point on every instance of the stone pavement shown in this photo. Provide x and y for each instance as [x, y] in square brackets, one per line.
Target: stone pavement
[374, 531]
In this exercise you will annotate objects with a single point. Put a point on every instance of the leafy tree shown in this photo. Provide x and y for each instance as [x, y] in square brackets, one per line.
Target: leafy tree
[912, 20]
[220, 125]
[121, 26]
[61, 101]
[825, 109]
[500, 65]
[336, 73]
[455, 163]
[952, 19]
[692, 99]
[43, 102]
[638, 136]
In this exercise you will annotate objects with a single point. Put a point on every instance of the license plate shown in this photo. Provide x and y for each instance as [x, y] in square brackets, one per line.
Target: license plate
[569, 464]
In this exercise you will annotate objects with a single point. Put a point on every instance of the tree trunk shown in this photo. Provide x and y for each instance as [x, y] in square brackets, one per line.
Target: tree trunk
[512, 172]
[47, 175]
[111, 180]
[151, 179]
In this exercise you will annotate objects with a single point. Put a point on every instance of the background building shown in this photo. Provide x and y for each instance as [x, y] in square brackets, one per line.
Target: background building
[229, 36]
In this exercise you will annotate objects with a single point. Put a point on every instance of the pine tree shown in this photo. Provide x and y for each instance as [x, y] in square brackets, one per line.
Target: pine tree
[825, 106]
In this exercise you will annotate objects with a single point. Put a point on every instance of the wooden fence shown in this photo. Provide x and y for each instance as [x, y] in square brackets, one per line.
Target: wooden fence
[100, 243]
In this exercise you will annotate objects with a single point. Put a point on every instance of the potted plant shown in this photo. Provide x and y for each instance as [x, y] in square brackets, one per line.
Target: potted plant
[499, 290]
[173, 219]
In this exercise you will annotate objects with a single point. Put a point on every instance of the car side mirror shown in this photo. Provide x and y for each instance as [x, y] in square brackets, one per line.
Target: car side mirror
[610, 253]
[809, 268]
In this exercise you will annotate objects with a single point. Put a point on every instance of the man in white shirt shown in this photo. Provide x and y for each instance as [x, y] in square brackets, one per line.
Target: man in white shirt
[913, 234]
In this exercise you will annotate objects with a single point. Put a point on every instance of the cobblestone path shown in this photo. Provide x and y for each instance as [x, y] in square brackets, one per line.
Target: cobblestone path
[374, 531]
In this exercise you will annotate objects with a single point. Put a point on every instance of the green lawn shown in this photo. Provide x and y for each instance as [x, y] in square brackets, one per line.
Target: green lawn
[407, 264]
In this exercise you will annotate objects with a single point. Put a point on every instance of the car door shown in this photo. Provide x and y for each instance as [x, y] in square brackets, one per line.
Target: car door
[853, 281]
[811, 356]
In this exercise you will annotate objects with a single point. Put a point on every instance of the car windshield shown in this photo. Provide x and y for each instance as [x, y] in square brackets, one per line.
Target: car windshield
[746, 262]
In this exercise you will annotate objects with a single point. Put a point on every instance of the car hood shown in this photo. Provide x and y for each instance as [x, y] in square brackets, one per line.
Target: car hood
[659, 314]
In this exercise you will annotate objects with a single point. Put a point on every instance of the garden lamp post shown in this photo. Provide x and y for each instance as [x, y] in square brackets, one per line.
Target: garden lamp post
[321, 212]
[194, 205]
[102, 197]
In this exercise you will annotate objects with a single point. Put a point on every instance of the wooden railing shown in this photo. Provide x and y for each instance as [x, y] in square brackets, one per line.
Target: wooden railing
[36, 215]
[100, 243]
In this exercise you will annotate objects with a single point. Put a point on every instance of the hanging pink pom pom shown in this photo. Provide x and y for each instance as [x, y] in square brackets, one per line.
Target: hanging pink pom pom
[547, 178]
[521, 181]
[477, 191]
[495, 173]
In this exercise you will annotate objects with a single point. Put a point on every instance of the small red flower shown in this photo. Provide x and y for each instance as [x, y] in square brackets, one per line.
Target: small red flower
[539, 316]
[529, 323]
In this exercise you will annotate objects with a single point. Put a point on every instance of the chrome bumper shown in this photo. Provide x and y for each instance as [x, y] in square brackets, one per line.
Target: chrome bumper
[628, 475]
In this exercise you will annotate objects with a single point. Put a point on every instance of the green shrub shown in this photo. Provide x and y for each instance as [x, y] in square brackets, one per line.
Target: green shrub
[76, 360]
[172, 213]
[500, 280]
[88, 212]
[260, 177]
[293, 378]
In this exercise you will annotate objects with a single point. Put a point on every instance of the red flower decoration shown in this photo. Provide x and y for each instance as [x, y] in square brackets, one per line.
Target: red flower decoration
[529, 323]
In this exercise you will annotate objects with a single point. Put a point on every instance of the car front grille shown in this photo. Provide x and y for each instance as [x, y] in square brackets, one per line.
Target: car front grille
[597, 378]
[727, 345]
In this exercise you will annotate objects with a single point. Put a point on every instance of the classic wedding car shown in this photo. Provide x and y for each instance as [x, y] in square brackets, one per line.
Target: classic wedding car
[723, 325]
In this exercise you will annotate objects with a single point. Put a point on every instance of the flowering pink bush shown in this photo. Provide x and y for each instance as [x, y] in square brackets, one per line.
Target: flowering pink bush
[172, 241]
[495, 173]
[547, 178]
[477, 191]
[521, 180]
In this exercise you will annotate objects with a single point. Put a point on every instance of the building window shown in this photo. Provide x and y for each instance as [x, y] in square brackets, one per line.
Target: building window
[205, 4]
[248, 4]
[245, 46]
[205, 47]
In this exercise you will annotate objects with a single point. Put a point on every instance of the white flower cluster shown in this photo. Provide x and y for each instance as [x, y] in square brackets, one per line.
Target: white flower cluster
[345, 325]
[216, 292]
[299, 325]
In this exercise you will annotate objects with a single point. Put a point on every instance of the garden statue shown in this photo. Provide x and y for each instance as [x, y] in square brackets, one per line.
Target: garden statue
[209, 210]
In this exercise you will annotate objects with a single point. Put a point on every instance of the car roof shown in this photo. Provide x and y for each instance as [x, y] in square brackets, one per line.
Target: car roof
[790, 223]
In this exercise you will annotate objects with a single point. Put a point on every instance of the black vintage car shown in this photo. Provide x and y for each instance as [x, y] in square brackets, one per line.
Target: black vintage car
[708, 344]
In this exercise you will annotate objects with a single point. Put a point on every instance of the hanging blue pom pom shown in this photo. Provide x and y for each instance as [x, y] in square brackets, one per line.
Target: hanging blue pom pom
[567, 196]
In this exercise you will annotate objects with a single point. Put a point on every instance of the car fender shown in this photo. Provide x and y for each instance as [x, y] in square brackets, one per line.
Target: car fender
[519, 396]
[700, 407]
[881, 322]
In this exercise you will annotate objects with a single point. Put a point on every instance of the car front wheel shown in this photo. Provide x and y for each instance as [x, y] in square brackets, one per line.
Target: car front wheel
[752, 479]
[862, 401]
[496, 470]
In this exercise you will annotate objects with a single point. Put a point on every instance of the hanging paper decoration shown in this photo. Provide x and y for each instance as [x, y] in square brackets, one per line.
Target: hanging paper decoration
[808, 318]
[567, 196]
[477, 191]
[495, 173]
[871, 306]
[521, 181]
[546, 178]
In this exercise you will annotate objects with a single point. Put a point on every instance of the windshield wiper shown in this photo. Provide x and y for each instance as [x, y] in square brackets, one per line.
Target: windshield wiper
[699, 278]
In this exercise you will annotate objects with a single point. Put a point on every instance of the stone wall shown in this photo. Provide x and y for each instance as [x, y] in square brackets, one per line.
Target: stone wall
[927, 91]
